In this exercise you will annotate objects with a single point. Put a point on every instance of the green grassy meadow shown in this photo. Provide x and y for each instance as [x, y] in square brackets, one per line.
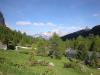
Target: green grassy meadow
[16, 63]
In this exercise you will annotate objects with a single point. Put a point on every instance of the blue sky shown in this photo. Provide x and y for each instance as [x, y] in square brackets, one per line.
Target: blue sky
[37, 16]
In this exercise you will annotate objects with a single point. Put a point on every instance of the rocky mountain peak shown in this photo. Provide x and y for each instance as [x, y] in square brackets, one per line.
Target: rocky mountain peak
[2, 21]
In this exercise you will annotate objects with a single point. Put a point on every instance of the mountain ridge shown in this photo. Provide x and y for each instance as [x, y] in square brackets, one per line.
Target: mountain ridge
[84, 32]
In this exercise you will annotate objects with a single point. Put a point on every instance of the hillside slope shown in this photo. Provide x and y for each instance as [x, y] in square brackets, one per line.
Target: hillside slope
[85, 33]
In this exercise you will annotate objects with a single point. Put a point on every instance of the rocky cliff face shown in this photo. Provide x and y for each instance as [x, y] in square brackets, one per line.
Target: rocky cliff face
[2, 21]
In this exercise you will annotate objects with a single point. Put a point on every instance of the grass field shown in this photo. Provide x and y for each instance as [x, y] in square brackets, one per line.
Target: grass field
[9, 59]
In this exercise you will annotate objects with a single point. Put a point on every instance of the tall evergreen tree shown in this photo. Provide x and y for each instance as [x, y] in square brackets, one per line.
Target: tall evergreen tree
[57, 46]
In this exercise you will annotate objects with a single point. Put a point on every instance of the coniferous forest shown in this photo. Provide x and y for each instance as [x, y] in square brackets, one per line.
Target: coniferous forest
[16, 37]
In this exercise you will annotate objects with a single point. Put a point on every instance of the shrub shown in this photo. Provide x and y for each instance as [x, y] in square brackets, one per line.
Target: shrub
[10, 45]
[76, 66]
[94, 60]
[39, 63]
[2, 60]
[24, 52]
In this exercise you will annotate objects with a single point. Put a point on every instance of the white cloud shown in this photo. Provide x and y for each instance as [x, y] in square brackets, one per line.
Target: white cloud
[23, 23]
[69, 29]
[57, 31]
[76, 27]
[38, 24]
[60, 29]
[43, 24]
[96, 14]
[50, 24]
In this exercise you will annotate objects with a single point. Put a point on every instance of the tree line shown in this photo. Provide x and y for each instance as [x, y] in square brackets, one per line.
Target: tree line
[55, 47]
[84, 45]
[13, 37]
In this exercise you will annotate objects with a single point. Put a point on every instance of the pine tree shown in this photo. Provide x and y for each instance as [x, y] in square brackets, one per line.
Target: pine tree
[97, 43]
[57, 46]
[82, 48]
[93, 59]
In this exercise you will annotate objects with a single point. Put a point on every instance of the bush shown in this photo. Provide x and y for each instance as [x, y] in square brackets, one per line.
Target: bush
[2, 60]
[98, 63]
[38, 63]
[93, 60]
[10, 45]
[76, 66]
[24, 52]
[69, 65]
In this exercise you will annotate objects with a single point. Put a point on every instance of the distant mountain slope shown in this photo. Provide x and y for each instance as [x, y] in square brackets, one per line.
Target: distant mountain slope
[2, 21]
[95, 30]
[85, 32]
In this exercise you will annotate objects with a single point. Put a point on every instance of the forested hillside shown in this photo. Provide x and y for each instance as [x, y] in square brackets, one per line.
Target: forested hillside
[84, 32]
[8, 35]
